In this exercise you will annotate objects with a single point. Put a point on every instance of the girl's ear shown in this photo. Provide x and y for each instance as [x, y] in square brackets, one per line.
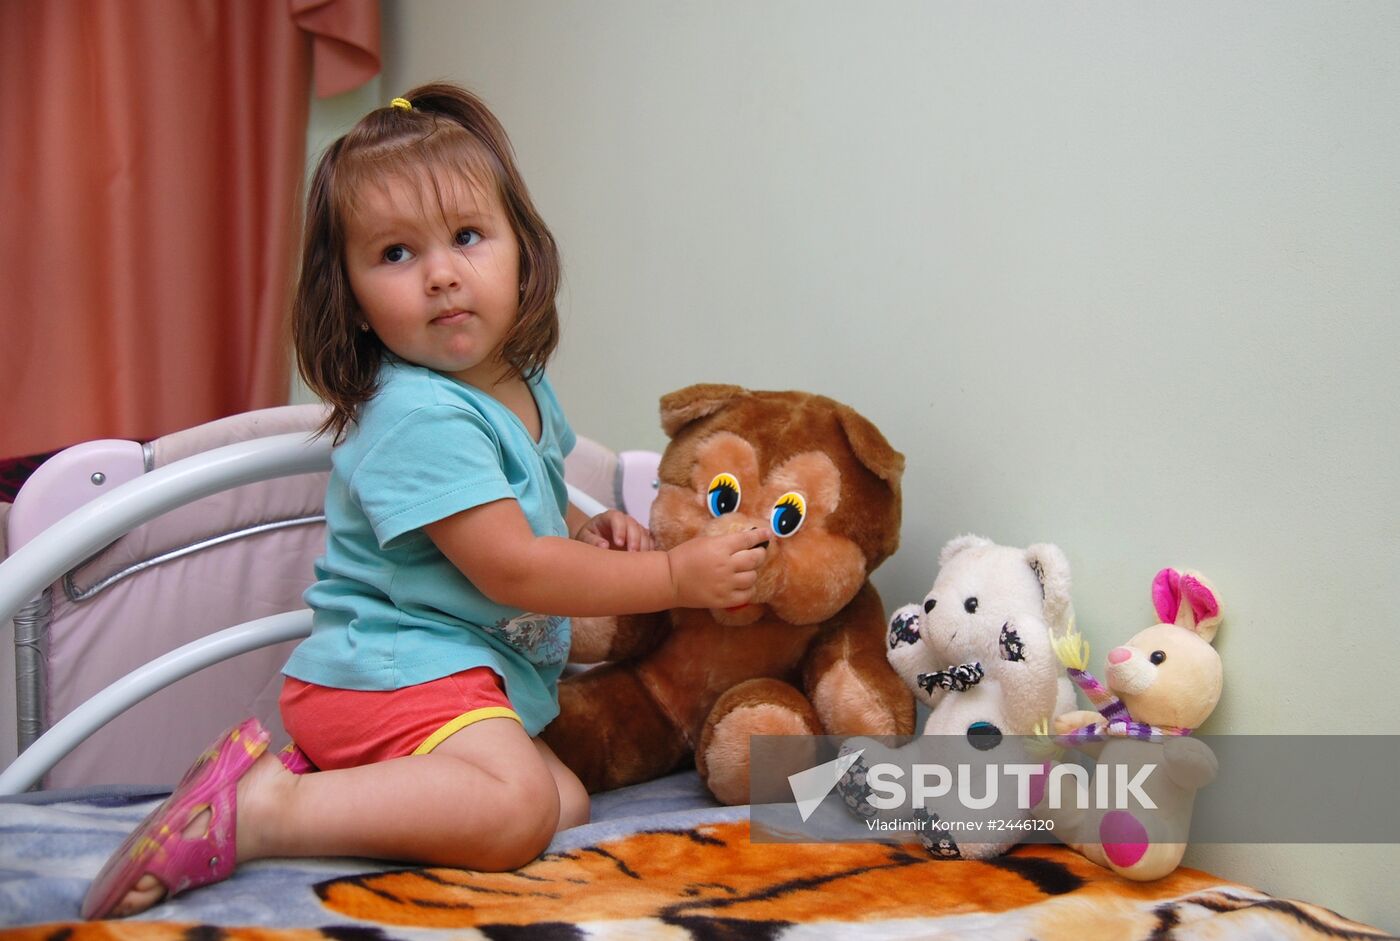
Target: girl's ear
[1187, 600]
[1052, 568]
[684, 406]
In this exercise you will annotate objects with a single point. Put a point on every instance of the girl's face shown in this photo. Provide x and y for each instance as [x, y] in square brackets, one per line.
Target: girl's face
[437, 276]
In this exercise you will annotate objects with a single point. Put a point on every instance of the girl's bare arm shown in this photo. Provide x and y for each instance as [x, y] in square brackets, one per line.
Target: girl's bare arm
[494, 547]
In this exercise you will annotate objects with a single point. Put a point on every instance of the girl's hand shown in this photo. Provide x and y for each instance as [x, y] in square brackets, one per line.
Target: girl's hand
[614, 529]
[717, 571]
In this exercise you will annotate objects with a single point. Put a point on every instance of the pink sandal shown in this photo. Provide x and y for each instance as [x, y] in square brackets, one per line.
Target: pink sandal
[295, 760]
[159, 847]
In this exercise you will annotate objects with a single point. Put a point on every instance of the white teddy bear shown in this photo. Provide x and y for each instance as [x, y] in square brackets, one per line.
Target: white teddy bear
[978, 651]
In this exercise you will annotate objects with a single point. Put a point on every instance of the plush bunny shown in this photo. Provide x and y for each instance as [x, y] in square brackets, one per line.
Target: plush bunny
[1161, 686]
[978, 651]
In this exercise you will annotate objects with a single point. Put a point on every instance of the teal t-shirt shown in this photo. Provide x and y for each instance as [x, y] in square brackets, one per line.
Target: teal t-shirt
[390, 610]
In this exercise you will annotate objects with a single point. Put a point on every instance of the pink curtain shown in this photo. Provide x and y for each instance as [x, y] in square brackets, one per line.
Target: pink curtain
[151, 160]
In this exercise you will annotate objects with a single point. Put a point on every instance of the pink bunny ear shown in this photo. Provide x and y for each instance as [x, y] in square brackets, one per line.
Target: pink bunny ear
[1166, 595]
[1201, 611]
[1205, 606]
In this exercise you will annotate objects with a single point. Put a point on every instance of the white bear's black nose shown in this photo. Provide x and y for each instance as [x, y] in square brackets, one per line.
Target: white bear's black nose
[983, 736]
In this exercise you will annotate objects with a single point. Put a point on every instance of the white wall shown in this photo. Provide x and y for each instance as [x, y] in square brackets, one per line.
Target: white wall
[1121, 276]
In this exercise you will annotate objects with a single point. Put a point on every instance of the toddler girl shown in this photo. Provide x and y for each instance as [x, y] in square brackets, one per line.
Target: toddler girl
[424, 316]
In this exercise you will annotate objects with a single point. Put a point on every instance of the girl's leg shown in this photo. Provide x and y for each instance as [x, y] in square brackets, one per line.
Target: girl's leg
[573, 797]
[483, 799]
[487, 798]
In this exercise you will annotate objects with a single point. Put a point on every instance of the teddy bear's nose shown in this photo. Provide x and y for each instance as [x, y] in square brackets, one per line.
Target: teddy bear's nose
[1119, 654]
[738, 523]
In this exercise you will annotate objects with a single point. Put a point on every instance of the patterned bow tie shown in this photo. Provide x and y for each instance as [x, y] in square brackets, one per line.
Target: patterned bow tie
[956, 679]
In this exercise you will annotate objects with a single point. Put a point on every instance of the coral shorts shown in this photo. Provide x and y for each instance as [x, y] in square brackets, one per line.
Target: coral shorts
[344, 728]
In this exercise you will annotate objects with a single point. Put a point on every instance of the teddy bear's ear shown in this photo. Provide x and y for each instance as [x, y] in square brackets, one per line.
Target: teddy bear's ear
[870, 446]
[1052, 568]
[1187, 600]
[960, 544]
[684, 406]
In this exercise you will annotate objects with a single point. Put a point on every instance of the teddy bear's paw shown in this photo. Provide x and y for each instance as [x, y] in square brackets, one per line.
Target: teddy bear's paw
[936, 837]
[1010, 646]
[854, 784]
[854, 788]
[905, 648]
[904, 627]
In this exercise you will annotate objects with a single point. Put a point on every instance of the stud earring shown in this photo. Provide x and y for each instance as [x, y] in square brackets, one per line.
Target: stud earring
[364, 327]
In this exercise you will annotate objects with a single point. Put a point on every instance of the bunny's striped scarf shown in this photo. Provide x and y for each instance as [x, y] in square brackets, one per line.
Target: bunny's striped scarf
[1120, 723]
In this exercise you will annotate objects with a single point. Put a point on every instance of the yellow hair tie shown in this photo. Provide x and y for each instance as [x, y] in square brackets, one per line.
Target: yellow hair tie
[403, 103]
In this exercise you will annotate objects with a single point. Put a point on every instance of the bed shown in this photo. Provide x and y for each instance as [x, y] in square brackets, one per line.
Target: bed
[94, 565]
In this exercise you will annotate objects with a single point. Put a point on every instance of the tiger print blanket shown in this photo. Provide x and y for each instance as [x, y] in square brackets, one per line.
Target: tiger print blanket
[642, 872]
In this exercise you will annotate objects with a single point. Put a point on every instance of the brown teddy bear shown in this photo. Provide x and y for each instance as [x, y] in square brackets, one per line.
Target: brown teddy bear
[806, 657]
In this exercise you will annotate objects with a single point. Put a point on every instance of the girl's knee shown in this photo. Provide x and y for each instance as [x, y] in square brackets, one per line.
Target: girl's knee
[543, 805]
[526, 826]
[521, 840]
[573, 803]
[505, 806]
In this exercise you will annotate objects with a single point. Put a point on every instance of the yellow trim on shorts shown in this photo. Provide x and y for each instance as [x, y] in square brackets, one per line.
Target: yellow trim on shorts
[461, 722]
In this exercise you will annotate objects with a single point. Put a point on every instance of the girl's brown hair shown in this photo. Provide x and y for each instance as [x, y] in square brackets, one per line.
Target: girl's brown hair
[448, 131]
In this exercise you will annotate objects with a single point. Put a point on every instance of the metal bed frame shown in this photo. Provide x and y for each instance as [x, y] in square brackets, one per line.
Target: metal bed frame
[26, 577]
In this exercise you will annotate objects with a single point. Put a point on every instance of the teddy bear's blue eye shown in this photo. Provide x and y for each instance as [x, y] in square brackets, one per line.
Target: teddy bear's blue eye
[788, 514]
[723, 494]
